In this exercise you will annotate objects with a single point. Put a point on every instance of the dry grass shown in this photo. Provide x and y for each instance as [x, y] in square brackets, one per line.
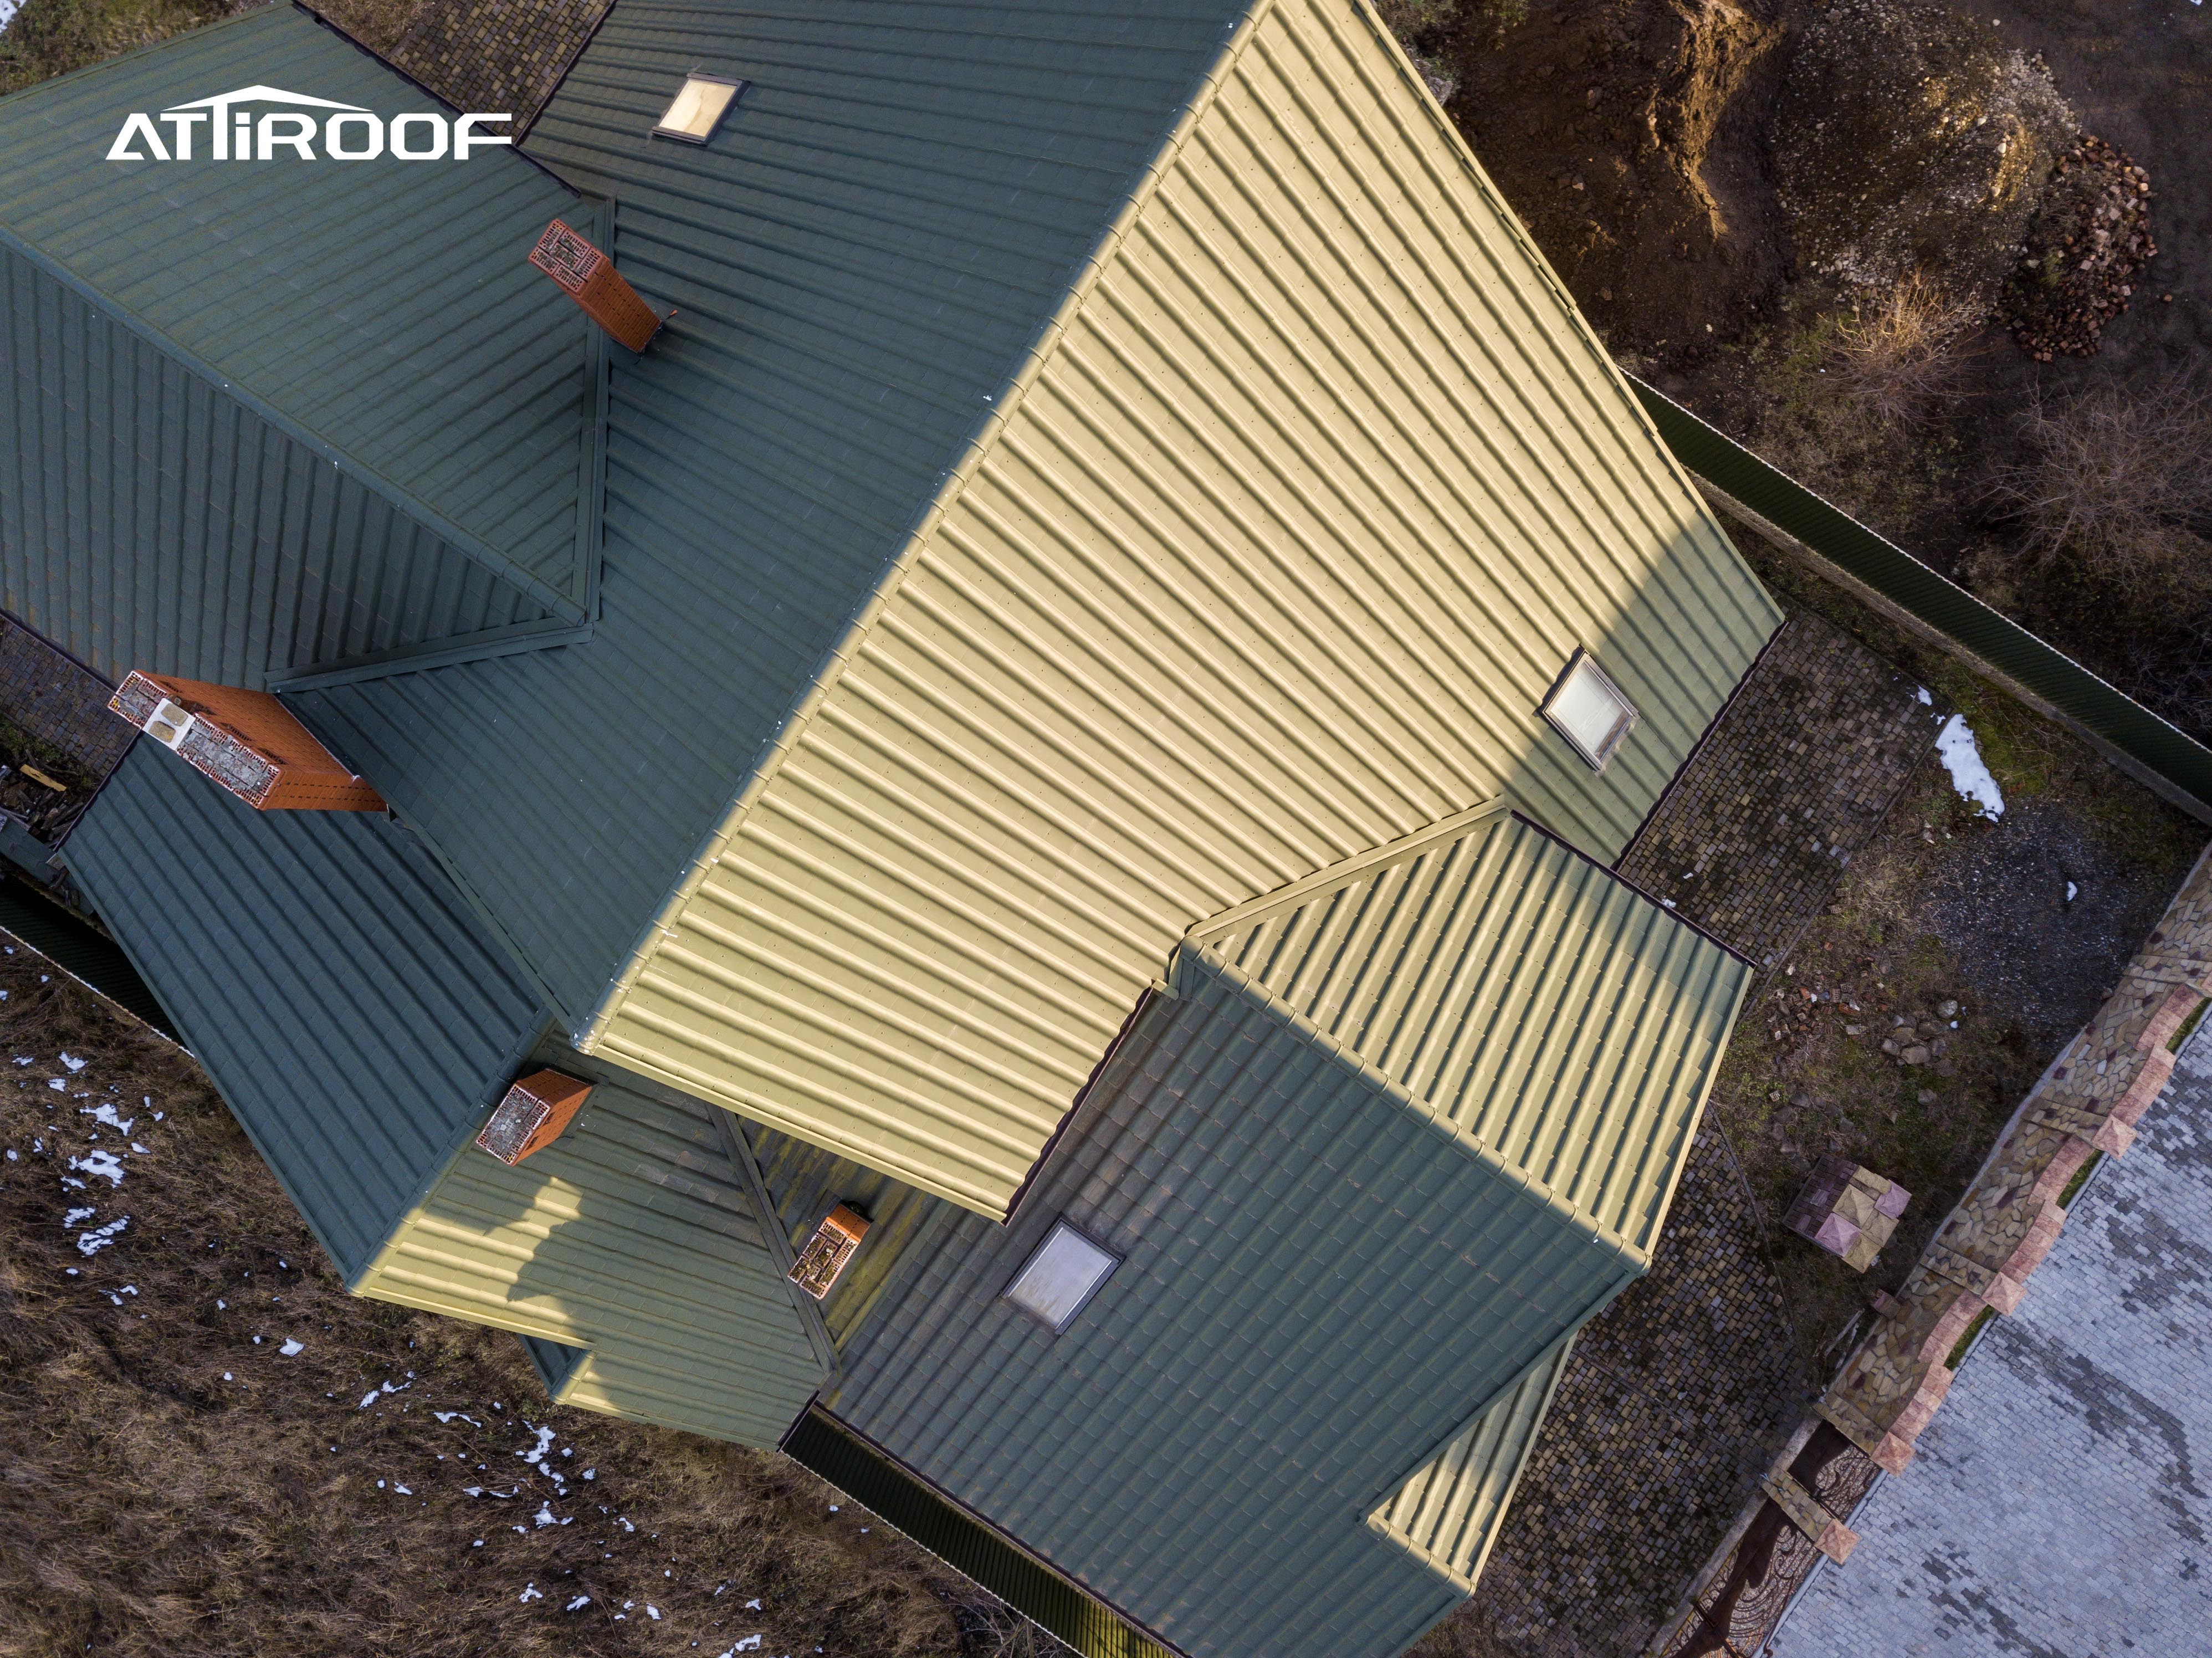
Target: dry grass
[170, 1485]
[1907, 357]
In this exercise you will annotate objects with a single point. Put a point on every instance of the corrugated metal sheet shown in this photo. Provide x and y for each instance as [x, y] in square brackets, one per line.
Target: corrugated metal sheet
[383, 310]
[1542, 1008]
[857, 262]
[632, 1237]
[806, 1182]
[149, 520]
[325, 973]
[1318, 1285]
[1309, 504]
[1448, 1511]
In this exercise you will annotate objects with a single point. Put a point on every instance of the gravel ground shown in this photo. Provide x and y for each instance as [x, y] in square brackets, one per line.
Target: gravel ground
[2001, 905]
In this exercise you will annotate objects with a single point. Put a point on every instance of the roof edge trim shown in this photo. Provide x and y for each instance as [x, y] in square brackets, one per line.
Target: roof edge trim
[779, 747]
[1189, 959]
[406, 501]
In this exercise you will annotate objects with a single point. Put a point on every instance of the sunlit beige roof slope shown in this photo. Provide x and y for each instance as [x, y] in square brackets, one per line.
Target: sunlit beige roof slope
[1267, 555]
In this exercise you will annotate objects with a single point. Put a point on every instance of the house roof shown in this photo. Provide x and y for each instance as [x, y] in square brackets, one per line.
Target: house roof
[1289, 1418]
[859, 264]
[325, 973]
[359, 1023]
[380, 313]
[149, 520]
[636, 1237]
[1310, 486]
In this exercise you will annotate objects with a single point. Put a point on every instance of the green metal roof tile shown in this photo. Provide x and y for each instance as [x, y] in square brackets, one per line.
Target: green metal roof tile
[383, 314]
[321, 967]
[148, 520]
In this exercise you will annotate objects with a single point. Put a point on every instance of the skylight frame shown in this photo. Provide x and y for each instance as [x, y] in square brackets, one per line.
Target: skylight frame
[1580, 663]
[661, 129]
[1062, 1228]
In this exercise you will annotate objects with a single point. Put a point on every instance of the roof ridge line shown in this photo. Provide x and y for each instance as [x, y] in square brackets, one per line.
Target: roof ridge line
[1528, 1185]
[1345, 871]
[954, 481]
[404, 501]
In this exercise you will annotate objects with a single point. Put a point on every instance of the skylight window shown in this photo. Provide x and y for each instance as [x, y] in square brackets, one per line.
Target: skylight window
[1060, 1277]
[698, 107]
[1589, 710]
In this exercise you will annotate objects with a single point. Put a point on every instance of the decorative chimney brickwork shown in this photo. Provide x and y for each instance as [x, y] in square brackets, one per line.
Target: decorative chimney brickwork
[589, 277]
[247, 741]
[532, 1116]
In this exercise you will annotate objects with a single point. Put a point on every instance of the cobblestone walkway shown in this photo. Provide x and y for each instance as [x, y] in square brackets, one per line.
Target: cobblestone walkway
[497, 54]
[1790, 783]
[50, 700]
[1675, 1401]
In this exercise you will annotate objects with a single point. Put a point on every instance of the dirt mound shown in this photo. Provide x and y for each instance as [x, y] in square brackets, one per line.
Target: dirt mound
[1916, 141]
[1616, 129]
[2085, 245]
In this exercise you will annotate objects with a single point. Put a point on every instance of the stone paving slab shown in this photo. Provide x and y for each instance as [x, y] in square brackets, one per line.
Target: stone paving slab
[1790, 785]
[2061, 1501]
[53, 700]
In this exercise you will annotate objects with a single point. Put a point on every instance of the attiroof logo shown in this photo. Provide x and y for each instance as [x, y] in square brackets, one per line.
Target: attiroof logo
[348, 132]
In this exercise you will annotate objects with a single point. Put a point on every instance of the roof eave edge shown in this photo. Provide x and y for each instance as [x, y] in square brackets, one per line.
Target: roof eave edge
[831, 669]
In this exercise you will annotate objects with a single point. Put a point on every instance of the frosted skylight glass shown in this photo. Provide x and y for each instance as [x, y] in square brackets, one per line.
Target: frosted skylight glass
[1065, 1271]
[1589, 709]
[698, 108]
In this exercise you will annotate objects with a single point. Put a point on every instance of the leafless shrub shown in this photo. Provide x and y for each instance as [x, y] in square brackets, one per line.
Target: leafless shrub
[2117, 485]
[1906, 357]
[989, 1628]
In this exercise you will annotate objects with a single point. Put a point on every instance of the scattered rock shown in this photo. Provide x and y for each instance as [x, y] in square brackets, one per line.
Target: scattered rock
[1915, 1055]
[2086, 241]
[1916, 140]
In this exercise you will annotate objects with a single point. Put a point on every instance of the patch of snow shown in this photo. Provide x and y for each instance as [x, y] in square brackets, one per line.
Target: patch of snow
[92, 1243]
[57, 1084]
[225, 1375]
[20, 1058]
[578, 1604]
[751, 1643]
[536, 1454]
[106, 1112]
[70, 1060]
[545, 1516]
[76, 1215]
[530, 1592]
[589, 1474]
[1926, 700]
[292, 1349]
[2071, 889]
[652, 1612]
[104, 1164]
[373, 1393]
[752, 1605]
[11, 1154]
[401, 1489]
[1969, 775]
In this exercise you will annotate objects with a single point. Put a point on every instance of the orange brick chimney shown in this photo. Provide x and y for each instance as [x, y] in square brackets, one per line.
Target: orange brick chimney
[589, 277]
[247, 741]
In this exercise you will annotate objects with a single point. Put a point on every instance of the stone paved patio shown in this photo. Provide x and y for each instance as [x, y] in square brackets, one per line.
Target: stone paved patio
[1675, 1399]
[1792, 781]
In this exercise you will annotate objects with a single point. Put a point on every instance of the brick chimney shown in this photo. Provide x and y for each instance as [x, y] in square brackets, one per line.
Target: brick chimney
[589, 277]
[532, 1116]
[247, 741]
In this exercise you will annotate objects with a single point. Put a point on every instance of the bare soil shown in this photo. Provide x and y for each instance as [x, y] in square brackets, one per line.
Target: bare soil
[177, 1479]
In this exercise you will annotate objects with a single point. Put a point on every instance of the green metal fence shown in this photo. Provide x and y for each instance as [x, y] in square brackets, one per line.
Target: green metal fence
[2115, 721]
